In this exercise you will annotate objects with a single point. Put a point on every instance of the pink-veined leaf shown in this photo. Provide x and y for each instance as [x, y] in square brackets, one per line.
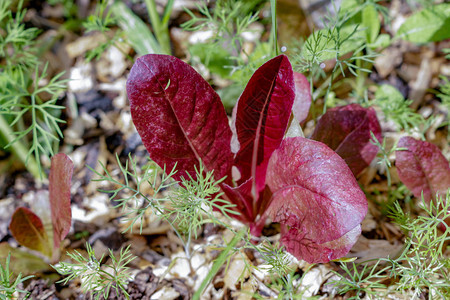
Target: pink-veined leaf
[302, 100]
[179, 117]
[262, 115]
[28, 230]
[297, 243]
[346, 130]
[422, 168]
[59, 193]
[316, 195]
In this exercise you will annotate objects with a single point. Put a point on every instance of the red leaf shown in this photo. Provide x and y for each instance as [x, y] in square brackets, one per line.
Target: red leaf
[309, 250]
[422, 167]
[179, 117]
[317, 196]
[28, 230]
[302, 100]
[262, 116]
[59, 193]
[346, 130]
[241, 197]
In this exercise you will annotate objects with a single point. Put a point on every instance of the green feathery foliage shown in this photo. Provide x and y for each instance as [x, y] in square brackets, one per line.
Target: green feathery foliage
[9, 287]
[98, 278]
[28, 122]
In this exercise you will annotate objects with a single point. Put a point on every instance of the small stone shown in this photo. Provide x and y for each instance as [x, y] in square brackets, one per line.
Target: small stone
[387, 61]
[81, 79]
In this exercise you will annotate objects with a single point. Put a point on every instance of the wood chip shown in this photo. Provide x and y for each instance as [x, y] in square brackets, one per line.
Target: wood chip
[84, 44]
[367, 249]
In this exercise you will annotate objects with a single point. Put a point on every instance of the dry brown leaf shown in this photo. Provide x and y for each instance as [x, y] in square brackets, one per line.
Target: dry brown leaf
[366, 249]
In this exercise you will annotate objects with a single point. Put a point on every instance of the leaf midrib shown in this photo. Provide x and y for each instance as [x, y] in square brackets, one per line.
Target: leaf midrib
[166, 97]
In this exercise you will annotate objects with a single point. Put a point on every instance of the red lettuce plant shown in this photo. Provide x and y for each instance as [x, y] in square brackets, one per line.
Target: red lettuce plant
[28, 228]
[423, 169]
[346, 130]
[300, 183]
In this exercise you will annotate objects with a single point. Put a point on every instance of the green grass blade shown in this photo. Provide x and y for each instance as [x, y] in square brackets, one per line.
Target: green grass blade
[273, 36]
[219, 262]
[138, 34]
[160, 25]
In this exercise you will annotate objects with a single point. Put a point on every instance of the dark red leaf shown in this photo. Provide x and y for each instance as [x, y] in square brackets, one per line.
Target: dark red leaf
[179, 117]
[316, 195]
[346, 130]
[422, 168]
[59, 193]
[28, 230]
[242, 198]
[302, 100]
[262, 116]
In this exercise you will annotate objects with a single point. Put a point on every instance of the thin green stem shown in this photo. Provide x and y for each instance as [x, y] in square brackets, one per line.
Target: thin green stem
[35, 133]
[331, 78]
[317, 93]
[362, 76]
[313, 97]
[188, 245]
[19, 149]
